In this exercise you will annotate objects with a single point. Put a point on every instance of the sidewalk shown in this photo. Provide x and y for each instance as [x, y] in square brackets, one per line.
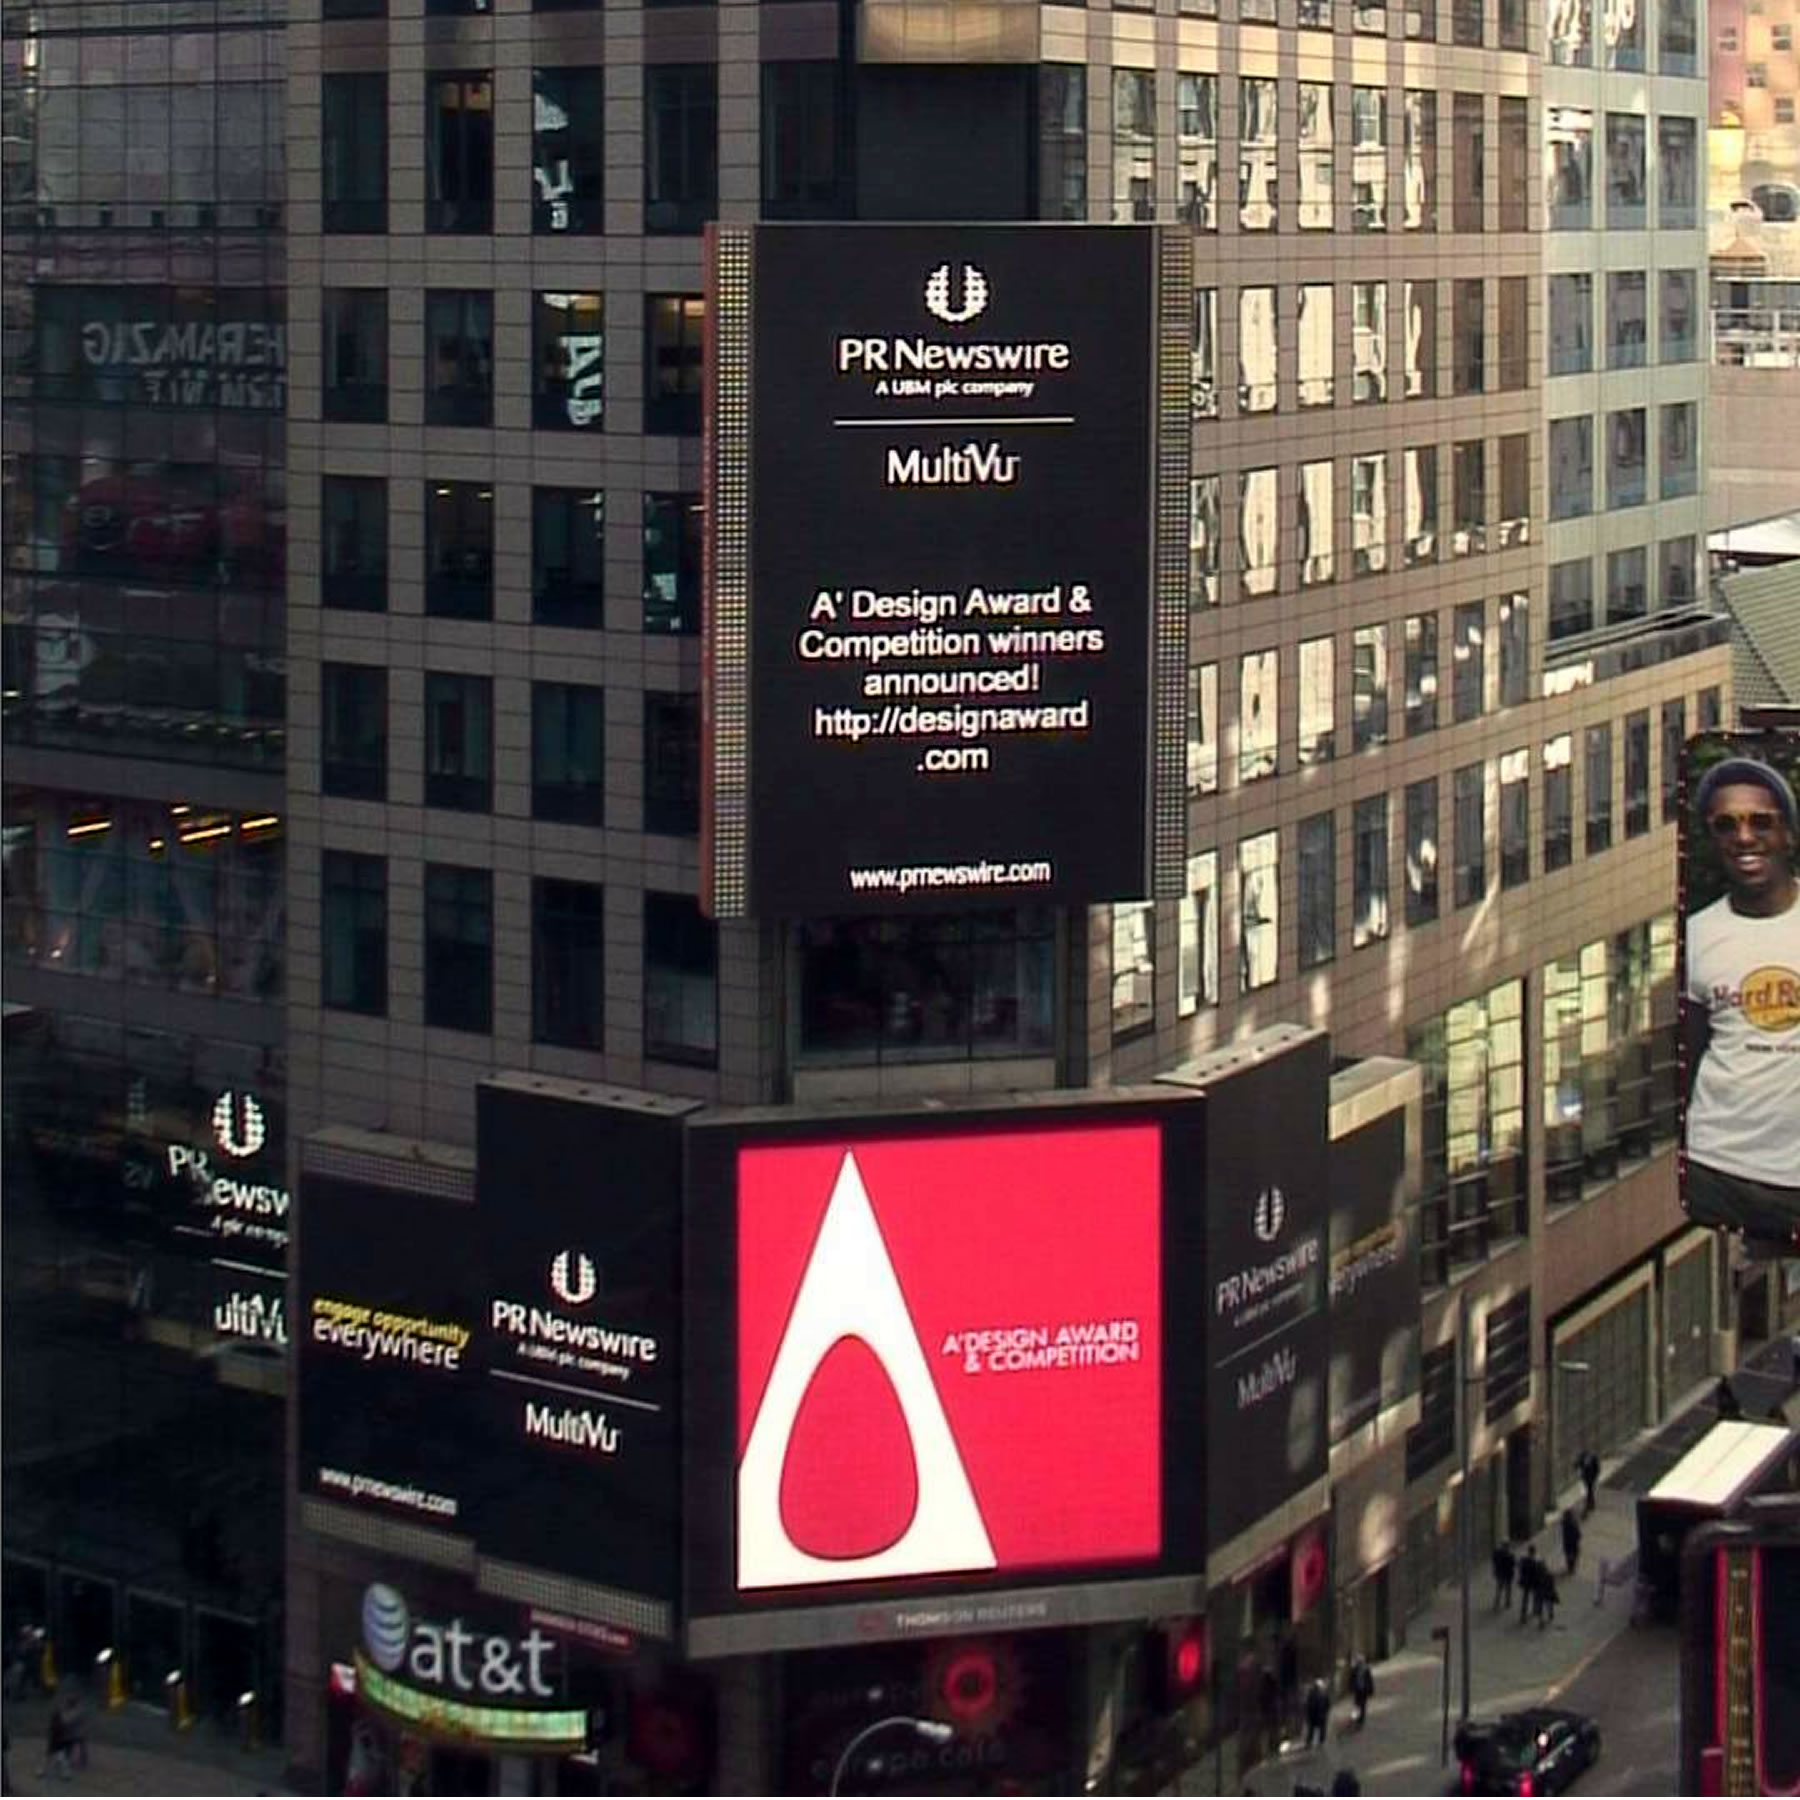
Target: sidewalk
[133, 1751]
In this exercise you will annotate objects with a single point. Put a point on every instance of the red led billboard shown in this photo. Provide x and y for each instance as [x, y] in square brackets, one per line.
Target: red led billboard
[949, 1354]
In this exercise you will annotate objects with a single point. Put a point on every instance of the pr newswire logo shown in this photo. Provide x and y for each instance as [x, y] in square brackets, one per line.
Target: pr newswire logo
[239, 1128]
[1269, 1215]
[573, 1278]
[974, 295]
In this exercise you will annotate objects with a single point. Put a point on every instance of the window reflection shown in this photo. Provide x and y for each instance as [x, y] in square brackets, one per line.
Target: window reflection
[1258, 135]
[1197, 149]
[1314, 332]
[1318, 562]
[1259, 910]
[1259, 531]
[1257, 331]
[1197, 978]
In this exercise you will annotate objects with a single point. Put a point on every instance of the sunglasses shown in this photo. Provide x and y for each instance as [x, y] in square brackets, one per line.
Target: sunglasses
[1727, 825]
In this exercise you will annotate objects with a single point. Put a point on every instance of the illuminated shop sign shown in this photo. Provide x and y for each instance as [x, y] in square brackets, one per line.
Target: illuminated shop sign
[241, 1215]
[551, 1729]
[940, 601]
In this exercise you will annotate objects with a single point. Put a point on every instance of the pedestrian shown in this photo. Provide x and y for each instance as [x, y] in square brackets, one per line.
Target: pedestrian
[1505, 1567]
[1588, 1465]
[1726, 1400]
[1268, 1704]
[1318, 1711]
[1548, 1599]
[1345, 1782]
[1530, 1570]
[1362, 1689]
[60, 1740]
[1571, 1540]
[1288, 1666]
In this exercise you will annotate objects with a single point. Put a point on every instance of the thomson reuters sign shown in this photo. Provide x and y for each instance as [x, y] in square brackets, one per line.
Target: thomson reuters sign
[949, 1355]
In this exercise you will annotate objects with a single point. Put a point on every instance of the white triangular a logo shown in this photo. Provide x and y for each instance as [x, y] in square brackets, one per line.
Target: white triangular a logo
[850, 1290]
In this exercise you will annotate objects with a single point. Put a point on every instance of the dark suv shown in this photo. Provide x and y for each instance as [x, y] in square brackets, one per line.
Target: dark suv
[1535, 1752]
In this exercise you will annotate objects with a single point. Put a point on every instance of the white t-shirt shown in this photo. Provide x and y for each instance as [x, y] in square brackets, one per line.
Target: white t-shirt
[1744, 1116]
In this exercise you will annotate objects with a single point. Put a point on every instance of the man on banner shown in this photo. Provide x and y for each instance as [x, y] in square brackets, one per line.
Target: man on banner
[1743, 1011]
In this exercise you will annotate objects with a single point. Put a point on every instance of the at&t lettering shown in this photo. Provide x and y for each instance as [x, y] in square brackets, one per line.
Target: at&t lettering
[450, 1655]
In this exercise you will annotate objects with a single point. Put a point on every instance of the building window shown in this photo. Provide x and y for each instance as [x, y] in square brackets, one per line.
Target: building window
[1677, 341]
[1062, 141]
[1369, 687]
[1369, 871]
[1314, 332]
[1466, 23]
[459, 948]
[672, 547]
[681, 150]
[1468, 342]
[674, 339]
[1625, 457]
[353, 932]
[1318, 557]
[1708, 710]
[1258, 325]
[1627, 320]
[1677, 174]
[1679, 561]
[353, 347]
[1368, 159]
[1559, 802]
[1204, 382]
[1571, 467]
[1468, 838]
[1317, 156]
[1317, 682]
[1433, 1439]
[1570, 28]
[1515, 490]
[1197, 150]
[1133, 968]
[672, 764]
[1318, 890]
[1598, 775]
[1473, 1183]
[1506, 1337]
[459, 357]
[1637, 774]
[1674, 736]
[1419, 170]
[1368, 341]
[1203, 729]
[568, 753]
[1626, 185]
[1515, 151]
[568, 963]
[1627, 585]
[1203, 541]
[1514, 333]
[1418, 468]
[1368, 513]
[352, 153]
[1259, 532]
[1421, 852]
[1259, 910]
[681, 981]
[1515, 649]
[1468, 498]
[568, 389]
[459, 550]
[1568, 168]
[1197, 982]
[1419, 299]
[1571, 324]
[459, 153]
[1369, 16]
[1420, 634]
[1468, 160]
[459, 738]
[1571, 598]
[353, 543]
[1258, 141]
[801, 138]
[1259, 715]
[1515, 818]
[1680, 450]
[1134, 146]
[1756, 75]
[353, 730]
[1680, 37]
[1468, 663]
[1421, 20]
[568, 556]
[1784, 109]
[568, 151]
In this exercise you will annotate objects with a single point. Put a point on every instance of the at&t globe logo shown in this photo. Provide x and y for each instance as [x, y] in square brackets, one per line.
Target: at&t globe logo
[386, 1626]
[1270, 1214]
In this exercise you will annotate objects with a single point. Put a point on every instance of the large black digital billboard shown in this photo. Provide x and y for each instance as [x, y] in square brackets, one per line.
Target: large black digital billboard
[390, 1298]
[1266, 1252]
[937, 636]
[579, 1196]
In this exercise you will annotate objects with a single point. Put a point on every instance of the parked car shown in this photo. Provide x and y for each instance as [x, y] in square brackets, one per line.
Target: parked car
[1540, 1751]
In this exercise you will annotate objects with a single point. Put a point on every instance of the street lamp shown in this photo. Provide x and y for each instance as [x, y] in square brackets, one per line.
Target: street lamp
[933, 1731]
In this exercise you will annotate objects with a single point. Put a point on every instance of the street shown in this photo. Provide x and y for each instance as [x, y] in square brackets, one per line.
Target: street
[1633, 1689]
